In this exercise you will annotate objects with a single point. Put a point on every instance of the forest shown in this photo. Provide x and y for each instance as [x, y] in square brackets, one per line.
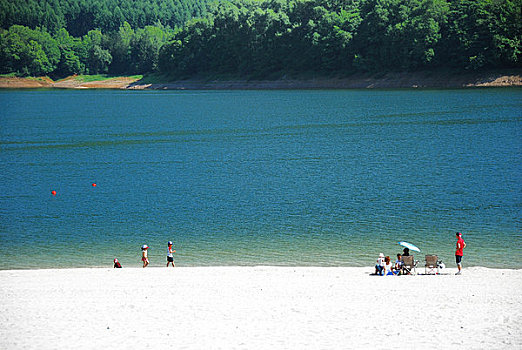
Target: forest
[256, 38]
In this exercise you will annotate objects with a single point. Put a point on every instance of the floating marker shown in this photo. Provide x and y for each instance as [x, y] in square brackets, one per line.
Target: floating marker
[53, 192]
[93, 185]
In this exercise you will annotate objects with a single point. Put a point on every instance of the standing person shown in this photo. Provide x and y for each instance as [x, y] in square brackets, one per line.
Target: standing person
[144, 256]
[170, 255]
[459, 252]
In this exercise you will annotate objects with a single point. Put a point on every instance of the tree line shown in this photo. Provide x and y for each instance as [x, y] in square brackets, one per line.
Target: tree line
[258, 38]
[80, 16]
[255, 38]
[35, 52]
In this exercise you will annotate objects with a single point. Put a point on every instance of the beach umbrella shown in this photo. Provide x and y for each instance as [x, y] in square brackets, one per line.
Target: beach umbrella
[409, 246]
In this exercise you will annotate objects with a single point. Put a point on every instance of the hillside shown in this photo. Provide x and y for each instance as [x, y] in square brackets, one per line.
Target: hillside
[258, 39]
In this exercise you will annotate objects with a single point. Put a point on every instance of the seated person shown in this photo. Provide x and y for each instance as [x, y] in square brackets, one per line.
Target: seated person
[398, 265]
[405, 252]
[379, 267]
[388, 266]
[117, 264]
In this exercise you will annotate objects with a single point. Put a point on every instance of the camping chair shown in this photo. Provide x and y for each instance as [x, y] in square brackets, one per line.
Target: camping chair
[432, 264]
[409, 264]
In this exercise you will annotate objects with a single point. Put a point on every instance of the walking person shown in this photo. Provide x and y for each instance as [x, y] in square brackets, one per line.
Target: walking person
[459, 252]
[170, 255]
[144, 255]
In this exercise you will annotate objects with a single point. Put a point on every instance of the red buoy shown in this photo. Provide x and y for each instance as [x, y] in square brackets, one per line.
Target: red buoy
[93, 185]
[53, 192]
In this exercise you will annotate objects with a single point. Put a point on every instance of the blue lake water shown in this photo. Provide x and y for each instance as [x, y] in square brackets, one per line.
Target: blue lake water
[320, 177]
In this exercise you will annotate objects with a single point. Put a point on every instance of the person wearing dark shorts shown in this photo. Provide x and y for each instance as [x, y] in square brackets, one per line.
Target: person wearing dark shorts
[170, 255]
[459, 251]
[458, 259]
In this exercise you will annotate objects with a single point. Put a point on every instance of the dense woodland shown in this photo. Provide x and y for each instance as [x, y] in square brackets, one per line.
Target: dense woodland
[256, 38]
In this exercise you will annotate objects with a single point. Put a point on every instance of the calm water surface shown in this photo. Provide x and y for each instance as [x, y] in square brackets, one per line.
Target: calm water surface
[323, 178]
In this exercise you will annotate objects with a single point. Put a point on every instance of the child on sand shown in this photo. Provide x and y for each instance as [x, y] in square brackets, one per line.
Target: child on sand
[144, 257]
[170, 255]
[117, 264]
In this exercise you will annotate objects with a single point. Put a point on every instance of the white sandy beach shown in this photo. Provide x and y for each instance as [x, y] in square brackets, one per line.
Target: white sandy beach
[259, 308]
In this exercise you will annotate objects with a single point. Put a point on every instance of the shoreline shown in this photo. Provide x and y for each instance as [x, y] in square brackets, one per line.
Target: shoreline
[420, 268]
[258, 308]
[423, 80]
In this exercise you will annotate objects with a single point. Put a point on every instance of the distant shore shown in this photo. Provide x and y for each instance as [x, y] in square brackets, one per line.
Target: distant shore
[357, 81]
[259, 308]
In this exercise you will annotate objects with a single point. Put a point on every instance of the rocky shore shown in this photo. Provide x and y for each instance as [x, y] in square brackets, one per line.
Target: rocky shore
[356, 81]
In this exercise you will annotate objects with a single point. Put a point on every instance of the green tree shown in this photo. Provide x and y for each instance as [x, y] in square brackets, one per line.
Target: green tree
[169, 58]
[399, 34]
[98, 58]
[27, 51]
[483, 33]
[145, 47]
[70, 61]
[120, 48]
[506, 27]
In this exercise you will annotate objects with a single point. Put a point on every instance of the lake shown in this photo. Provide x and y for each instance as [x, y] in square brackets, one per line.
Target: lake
[293, 178]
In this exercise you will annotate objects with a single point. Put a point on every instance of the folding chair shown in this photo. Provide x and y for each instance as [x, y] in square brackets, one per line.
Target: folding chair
[432, 264]
[409, 265]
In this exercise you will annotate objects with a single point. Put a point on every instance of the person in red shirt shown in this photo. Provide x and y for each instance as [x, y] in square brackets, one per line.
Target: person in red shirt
[117, 264]
[459, 252]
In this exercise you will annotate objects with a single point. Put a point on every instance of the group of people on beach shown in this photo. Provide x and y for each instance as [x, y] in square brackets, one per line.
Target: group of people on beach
[385, 267]
[145, 257]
